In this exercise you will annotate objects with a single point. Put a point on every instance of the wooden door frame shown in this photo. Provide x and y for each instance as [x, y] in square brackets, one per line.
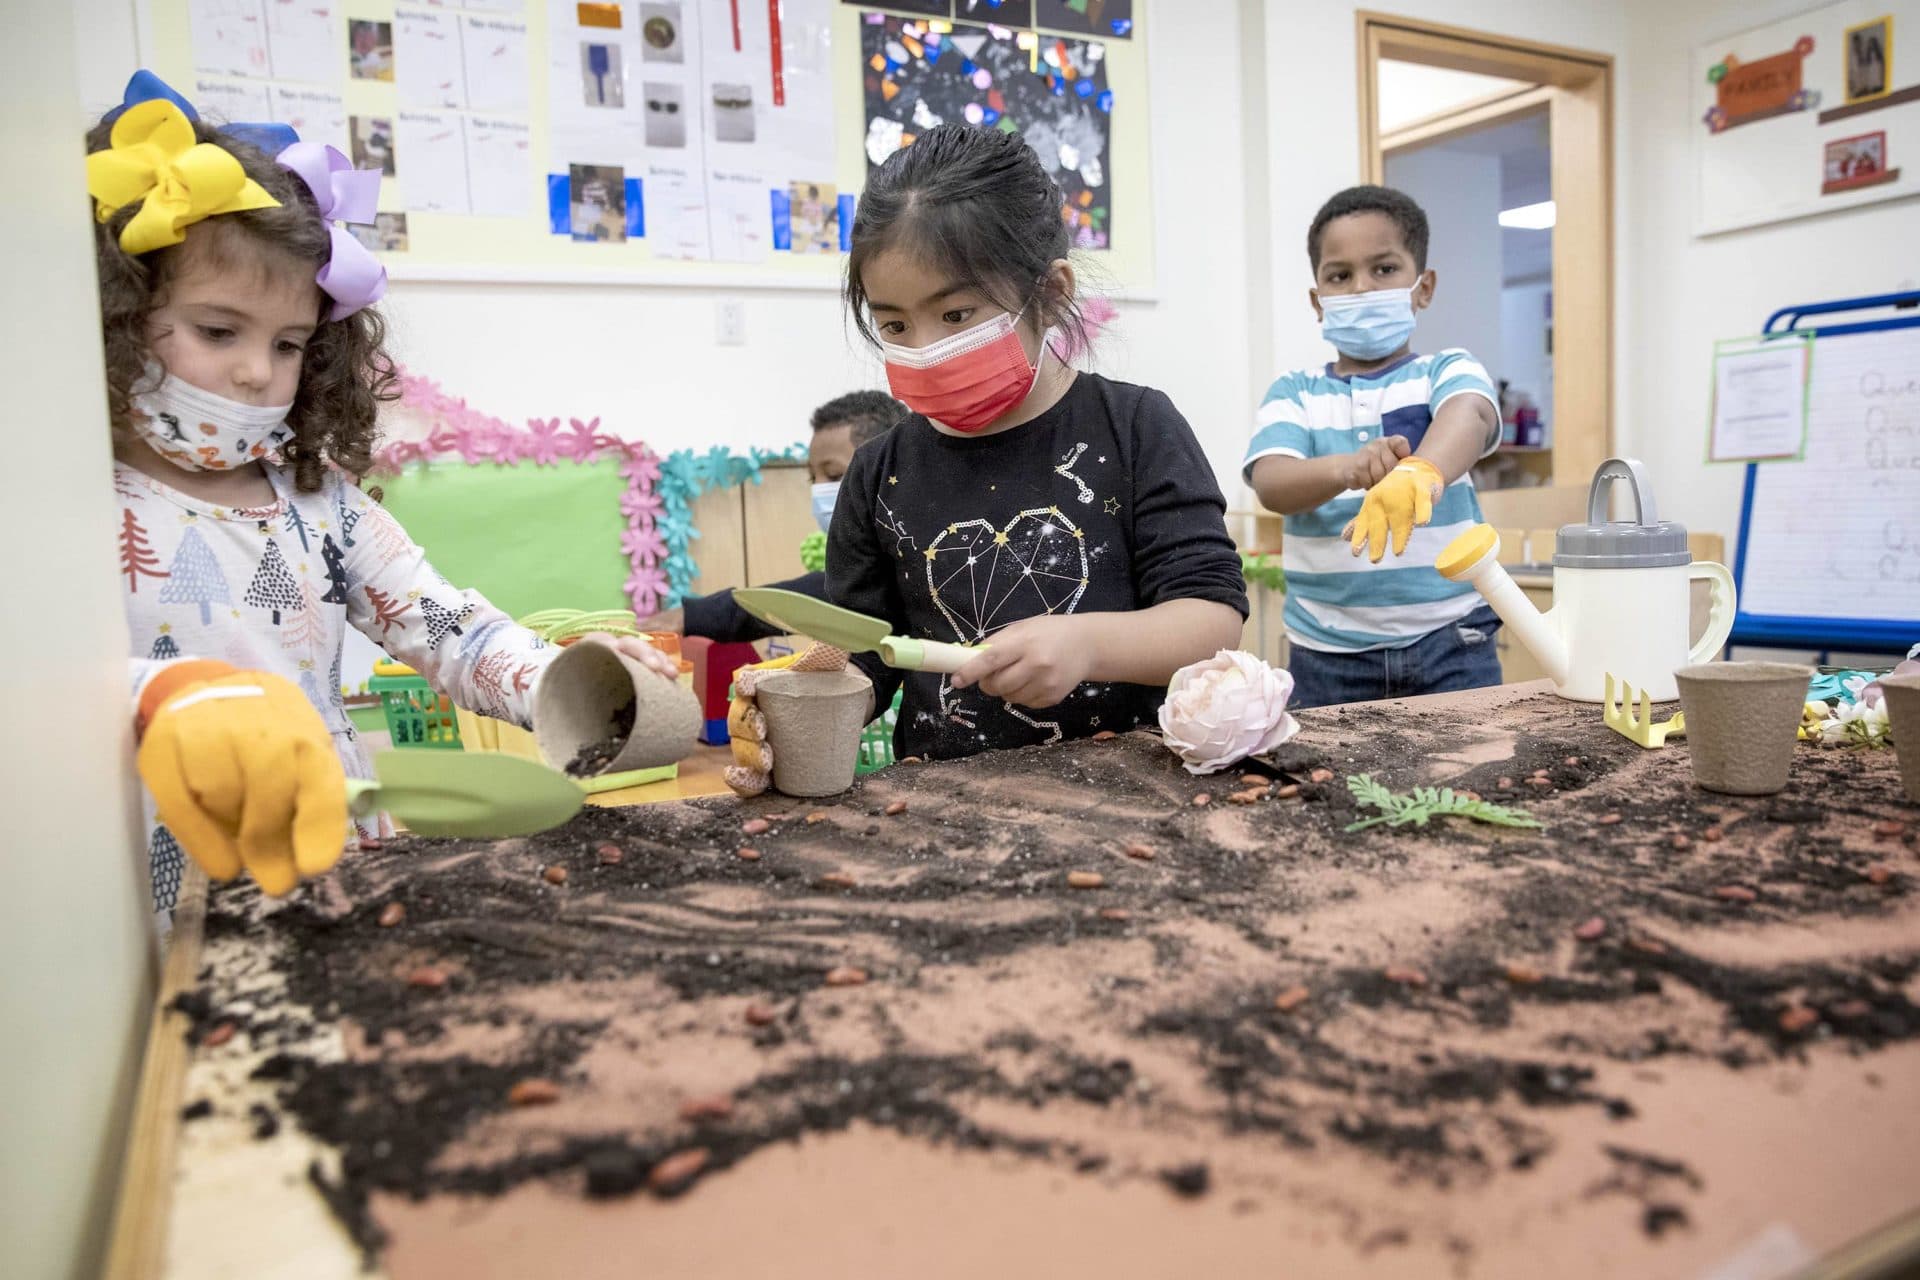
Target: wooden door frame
[1578, 88]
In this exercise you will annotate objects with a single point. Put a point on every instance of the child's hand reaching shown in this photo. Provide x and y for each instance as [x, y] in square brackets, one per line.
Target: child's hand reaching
[243, 772]
[654, 660]
[1375, 460]
[1036, 662]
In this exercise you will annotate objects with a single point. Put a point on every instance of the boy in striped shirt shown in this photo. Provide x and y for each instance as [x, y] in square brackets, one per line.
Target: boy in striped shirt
[1372, 452]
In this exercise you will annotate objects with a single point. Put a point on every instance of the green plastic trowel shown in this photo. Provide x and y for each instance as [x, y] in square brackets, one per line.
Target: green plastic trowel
[469, 795]
[799, 614]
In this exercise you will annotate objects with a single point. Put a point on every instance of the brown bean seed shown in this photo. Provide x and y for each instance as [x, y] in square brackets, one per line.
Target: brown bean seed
[1572, 760]
[1610, 819]
[1889, 829]
[1289, 792]
[1681, 841]
[1085, 880]
[218, 1036]
[846, 976]
[533, 1093]
[1292, 998]
[1540, 784]
[392, 914]
[747, 855]
[1140, 851]
[1796, 1018]
[837, 880]
[1714, 834]
[817, 817]
[1320, 775]
[427, 976]
[1503, 783]
[1648, 946]
[1105, 735]
[1735, 893]
[1523, 975]
[1591, 929]
[717, 1107]
[1116, 914]
[755, 827]
[761, 1015]
[1852, 1009]
[1878, 873]
[370, 845]
[677, 1172]
[1202, 800]
[1406, 976]
[1246, 797]
[897, 808]
[913, 760]
[555, 874]
[610, 854]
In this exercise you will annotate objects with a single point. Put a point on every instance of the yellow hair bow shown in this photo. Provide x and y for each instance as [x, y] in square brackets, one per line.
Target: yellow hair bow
[154, 159]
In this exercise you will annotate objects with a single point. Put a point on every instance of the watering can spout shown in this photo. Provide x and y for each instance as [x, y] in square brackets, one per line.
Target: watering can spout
[1474, 558]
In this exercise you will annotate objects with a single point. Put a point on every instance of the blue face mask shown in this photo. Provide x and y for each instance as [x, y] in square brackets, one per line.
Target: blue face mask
[823, 496]
[1367, 326]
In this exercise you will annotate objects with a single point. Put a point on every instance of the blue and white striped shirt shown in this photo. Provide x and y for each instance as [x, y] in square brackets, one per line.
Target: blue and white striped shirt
[1337, 602]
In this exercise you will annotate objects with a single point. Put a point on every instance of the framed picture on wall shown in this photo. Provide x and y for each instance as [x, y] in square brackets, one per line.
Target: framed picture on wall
[1869, 52]
[1859, 161]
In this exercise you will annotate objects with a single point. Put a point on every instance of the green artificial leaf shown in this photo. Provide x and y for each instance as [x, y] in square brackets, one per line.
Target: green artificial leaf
[813, 552]
[1262, 571]
[1423, 804]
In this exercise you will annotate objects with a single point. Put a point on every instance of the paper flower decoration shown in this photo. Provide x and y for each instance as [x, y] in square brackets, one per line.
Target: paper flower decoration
[1221, 711]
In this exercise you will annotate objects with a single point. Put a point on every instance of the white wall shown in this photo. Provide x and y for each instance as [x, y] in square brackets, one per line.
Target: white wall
[1460, 192]
[75, 949]
[1410, 92]
[1688, 291]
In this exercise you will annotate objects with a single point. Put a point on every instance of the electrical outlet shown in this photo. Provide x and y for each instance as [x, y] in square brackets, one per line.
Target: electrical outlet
[730, 322]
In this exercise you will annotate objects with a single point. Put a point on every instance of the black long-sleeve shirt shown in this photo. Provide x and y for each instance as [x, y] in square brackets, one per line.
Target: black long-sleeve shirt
[1103, 504]
[719, 619]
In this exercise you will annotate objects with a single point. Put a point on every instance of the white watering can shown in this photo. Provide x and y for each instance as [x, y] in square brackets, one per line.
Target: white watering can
[1621, 603]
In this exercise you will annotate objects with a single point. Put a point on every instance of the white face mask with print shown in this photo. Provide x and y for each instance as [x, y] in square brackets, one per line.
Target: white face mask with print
[200, 431]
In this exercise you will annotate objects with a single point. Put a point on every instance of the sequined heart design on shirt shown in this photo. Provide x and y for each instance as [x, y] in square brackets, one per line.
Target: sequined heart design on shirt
[983, 578]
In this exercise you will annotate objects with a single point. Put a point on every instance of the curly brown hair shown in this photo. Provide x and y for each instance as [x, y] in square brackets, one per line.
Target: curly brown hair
[345, 372]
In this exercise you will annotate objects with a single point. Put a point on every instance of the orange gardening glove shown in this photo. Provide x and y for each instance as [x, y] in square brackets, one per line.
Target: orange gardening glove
[243, 772]
[752, 770]
[1394, 507]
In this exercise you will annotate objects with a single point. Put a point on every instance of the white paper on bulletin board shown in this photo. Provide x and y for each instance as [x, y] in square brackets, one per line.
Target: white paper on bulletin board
[735, 136]
[1813, 113]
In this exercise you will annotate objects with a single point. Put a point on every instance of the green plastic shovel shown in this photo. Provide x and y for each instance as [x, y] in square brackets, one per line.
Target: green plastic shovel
[855, 632]
[467, 795]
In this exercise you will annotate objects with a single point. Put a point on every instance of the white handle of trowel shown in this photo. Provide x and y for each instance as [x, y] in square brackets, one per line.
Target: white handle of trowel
[927, 655]
[1529, 626]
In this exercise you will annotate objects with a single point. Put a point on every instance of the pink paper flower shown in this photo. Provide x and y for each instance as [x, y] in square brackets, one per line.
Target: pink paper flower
[643, 545]
[1221, 711]
[644, 587]
[542, 444]
[583, 440]
[641, 504]
[642, 466]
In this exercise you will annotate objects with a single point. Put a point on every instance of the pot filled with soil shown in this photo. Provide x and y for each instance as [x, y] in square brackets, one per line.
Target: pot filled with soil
[1902, 694]
[814, 720]
[1742, 723]
[597, 711]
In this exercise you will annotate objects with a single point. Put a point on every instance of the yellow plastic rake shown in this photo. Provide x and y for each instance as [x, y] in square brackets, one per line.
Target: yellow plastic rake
[1635, 724]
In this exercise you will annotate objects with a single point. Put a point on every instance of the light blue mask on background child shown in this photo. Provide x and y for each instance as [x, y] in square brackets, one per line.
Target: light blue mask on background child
[1367, 326]
[823, 495]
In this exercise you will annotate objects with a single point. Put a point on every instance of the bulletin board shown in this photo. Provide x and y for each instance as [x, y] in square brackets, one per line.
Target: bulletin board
[712, 162]
[1806, 115]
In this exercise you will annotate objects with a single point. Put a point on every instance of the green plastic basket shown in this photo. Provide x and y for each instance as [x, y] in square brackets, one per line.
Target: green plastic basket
[416, 715]
[876, 741]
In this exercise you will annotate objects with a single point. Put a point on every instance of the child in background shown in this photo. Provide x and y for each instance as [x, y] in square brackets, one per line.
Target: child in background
[840, 426]
[244, 369]
[1069, 522]
[1359, 454]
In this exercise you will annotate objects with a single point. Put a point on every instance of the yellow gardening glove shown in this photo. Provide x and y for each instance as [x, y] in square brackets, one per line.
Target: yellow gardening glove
[752, 770]
[1394, 507]
[243, 772]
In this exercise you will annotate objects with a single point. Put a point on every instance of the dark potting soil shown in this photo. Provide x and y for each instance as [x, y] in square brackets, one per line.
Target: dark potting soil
[969, 887]
[594, 757]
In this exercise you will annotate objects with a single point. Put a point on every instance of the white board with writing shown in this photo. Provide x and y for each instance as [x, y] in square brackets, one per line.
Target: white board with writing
[1837, 534]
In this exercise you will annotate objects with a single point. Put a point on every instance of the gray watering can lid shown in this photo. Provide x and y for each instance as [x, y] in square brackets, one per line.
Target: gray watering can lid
[1645, 542]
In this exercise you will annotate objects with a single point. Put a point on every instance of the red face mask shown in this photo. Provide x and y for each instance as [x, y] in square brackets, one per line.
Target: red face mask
[966, 381]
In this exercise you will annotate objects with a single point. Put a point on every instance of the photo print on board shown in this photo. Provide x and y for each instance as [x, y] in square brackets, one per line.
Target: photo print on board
[1860, 161]
[660, 34]
[371, 138]
[598, 196]
[733, 113]
[388, 234]
[370, 49]
[915, 78]
[1869, 49]
[603, 76]
[666, 115]
[1108, 19]
[816, 217]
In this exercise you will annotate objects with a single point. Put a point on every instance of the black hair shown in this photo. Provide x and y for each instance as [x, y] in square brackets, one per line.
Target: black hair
[1398, 205]
[869, 413]
[976, 205]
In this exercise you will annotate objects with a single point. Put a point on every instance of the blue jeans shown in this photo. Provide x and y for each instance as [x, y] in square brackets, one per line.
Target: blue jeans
[1457, 656]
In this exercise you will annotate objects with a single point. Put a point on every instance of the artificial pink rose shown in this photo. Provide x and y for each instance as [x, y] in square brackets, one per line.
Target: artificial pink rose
[1221, 711]
[1872, 694]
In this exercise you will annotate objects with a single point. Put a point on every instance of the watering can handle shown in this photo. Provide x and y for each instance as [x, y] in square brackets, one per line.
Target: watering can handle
[1635, 474]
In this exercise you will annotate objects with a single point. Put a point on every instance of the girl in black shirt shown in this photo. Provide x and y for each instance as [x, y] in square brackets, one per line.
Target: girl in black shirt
[1070, 522]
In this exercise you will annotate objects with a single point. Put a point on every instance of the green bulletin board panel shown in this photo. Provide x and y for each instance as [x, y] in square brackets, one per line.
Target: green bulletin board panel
[526, 537]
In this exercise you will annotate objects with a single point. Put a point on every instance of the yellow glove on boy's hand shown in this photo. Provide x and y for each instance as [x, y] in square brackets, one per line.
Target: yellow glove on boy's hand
[1394, 507]
[243, 772]
[752, 770]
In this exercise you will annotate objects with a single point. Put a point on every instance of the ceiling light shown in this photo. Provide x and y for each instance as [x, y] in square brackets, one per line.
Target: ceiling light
[1529, 217]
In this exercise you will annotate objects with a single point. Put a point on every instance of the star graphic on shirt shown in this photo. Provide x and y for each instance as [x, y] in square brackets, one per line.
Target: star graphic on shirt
[1113, 506]
[1103, 457]
[893, 479]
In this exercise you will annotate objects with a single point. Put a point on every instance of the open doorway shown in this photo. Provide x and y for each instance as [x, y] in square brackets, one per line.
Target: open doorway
[1507, 145]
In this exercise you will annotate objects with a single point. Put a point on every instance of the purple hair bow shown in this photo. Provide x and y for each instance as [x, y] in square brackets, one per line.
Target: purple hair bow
[353, 277]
